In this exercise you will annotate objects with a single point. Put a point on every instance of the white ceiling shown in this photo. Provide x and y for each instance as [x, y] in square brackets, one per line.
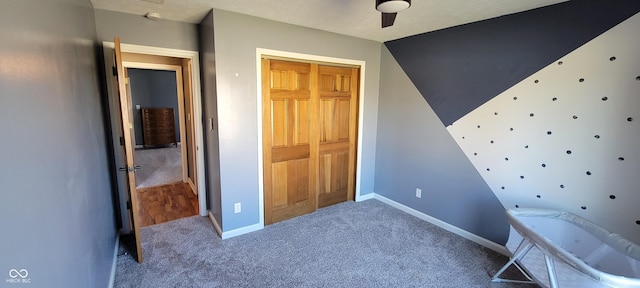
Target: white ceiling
[357, 18]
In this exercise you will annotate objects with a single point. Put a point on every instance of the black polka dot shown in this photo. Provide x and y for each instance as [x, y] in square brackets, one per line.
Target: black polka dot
[612, 59]
[559, 62]
[596, 136]
[502, 187]
[544, 165]
[621, 158]
[581, 80]
[536, 81]
[510, 129]
[637, 221]
[638, 78]
[588, 172]
[575, 117]
[475, 154]
[548, 132]
[629, 119]
[569, 152]
[554, 99]
[605, 98]
[521, 177]
[495, 113]
[515, 98]
[531, 114]
[488, 169]
[517, 206]
[506, 159]
[612, 196]
[491, 141]
[583, 207]
[538, 196]
[478, 126]
[462, 137]
[526, 146]
[561, 186]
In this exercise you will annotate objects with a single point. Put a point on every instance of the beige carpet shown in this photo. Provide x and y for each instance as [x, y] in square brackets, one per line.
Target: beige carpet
[159, 166]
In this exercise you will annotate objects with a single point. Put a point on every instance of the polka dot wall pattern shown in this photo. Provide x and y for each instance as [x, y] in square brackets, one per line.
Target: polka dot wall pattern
[567, 137]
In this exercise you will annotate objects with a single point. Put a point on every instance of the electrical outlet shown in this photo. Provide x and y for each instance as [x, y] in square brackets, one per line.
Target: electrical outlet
[237, 208]
[418, 192]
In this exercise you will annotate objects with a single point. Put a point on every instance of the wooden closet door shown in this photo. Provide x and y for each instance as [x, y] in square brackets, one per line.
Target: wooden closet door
[290, 157]
[338, 93]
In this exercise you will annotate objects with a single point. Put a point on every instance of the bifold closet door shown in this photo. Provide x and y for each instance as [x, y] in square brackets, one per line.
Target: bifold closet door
[309, 116]
[338, 95]
[290, 155]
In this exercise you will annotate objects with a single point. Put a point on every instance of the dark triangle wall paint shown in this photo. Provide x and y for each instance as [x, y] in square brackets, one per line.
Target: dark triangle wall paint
[458, 69]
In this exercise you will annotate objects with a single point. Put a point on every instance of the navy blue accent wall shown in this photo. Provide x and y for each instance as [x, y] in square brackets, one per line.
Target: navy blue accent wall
[458, 69]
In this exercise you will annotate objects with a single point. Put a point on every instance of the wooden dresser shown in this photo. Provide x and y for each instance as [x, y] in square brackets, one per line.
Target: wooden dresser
[158, 127]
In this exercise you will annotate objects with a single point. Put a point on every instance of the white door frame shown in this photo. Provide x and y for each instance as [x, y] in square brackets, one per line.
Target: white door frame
[306, 58]
[197, 104]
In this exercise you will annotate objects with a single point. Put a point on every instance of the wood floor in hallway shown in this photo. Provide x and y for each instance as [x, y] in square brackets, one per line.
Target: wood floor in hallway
[165, 203]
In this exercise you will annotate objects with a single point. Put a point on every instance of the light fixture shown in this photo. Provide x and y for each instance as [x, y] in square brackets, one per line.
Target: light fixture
[392, 6]
[153, 16]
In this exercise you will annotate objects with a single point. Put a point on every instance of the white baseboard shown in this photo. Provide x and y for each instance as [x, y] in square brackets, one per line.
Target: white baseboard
[234, 232]
[112, 278]
[242, 230]
[365, 197]
[214, 221]
[444, 225]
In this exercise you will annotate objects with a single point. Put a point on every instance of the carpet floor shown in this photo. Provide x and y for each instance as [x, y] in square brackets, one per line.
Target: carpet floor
[363, 244]
[159, 166]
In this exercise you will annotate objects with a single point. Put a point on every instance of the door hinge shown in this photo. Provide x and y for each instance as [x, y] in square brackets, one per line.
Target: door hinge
[128, 204]
[121, 141]
[115, 70]
[130, 168]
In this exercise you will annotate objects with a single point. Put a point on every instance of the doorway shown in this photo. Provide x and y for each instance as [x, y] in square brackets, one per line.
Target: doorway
[165, 183]
[309, 135]
[185, 66]
[163, 119]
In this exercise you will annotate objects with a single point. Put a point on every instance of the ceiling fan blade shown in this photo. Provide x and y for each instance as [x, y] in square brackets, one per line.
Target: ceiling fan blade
[388, 19]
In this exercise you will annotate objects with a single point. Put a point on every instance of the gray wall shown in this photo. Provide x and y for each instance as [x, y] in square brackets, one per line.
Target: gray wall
[210, 113]
[56, 211]
[136, 29]
[153, 89]
[414, 150]
[237, 37]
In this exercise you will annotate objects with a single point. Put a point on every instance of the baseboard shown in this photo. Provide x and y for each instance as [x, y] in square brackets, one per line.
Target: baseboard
[241, 231]
[112, 278]
[215, 224]
[365, 197]
[234, 232]
[193, 186]
[444, 225]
